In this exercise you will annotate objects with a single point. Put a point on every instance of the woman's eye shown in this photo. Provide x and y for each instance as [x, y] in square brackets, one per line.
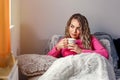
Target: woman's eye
[72, 26]
[78, 28]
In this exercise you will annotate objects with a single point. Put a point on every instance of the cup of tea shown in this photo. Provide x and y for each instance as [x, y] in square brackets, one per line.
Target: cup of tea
[71, 41]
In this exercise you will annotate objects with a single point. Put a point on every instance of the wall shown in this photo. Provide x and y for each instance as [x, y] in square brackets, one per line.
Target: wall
[15, 31]
[40, 19]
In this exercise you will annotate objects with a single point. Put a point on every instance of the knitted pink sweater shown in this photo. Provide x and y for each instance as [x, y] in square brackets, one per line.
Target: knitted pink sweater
[96, 47]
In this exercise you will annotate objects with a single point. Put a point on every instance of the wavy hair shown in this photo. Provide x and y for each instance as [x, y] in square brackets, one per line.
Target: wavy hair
[85, 35]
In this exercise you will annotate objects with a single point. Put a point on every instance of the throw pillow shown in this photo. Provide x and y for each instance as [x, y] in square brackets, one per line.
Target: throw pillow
[34, 64]
[106, 44]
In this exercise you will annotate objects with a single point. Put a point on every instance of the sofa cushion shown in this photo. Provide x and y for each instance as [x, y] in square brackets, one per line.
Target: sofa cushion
[112, 52]
[34, 64]
[106, 44]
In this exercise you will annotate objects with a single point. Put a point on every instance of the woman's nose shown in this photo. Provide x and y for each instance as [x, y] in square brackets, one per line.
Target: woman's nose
[74, 30]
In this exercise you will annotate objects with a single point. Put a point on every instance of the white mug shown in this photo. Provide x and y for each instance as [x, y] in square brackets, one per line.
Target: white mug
[71, 40]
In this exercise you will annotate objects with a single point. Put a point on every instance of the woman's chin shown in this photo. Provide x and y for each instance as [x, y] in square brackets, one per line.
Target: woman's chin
[74, 37]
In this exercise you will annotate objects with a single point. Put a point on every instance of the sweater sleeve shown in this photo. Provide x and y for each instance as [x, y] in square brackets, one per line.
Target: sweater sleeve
[54, 52]
[98, 48]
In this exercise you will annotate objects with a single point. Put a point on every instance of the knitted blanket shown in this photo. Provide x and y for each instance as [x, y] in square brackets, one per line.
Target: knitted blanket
[83, 66]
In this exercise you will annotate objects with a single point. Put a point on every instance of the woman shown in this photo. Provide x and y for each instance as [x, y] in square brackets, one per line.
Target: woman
[78, 28]
[85, 66]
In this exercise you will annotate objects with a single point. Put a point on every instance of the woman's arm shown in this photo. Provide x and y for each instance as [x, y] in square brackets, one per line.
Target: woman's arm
[97, 47]
[54, 52]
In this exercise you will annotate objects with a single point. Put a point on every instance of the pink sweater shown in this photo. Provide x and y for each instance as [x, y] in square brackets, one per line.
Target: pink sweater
[96, 47]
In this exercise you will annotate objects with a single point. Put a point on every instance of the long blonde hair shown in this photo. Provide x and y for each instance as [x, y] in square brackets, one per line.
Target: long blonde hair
[85, 35]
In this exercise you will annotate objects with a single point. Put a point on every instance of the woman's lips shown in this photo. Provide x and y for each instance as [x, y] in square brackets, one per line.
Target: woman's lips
[74, 34]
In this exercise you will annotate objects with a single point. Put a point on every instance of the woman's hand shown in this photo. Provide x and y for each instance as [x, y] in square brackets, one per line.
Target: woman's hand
[62, 44]
[75, 48]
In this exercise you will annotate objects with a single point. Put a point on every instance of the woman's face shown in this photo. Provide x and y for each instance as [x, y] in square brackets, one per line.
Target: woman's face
[74, 29]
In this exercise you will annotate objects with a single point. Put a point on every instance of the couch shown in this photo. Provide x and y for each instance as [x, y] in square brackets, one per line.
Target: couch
[32, 66]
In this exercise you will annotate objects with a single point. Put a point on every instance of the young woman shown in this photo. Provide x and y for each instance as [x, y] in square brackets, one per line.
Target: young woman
[88, 65]
[78, 28]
